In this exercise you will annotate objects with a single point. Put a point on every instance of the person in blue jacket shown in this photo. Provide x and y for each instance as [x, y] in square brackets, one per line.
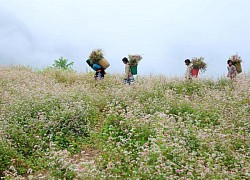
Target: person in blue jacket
[99, 70]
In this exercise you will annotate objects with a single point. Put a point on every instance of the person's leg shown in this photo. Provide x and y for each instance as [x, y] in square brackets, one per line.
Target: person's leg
[131, 79]
[126, 81]
[98, 75]
[103, 73]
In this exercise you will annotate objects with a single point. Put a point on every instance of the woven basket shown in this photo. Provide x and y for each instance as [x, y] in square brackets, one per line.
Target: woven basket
[104, 63]
[238, 67]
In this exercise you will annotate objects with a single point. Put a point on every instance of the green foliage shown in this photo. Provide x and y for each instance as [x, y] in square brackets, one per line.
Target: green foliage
[96, 56]
[7, 154]
[63, 174]
[51, 120]
[62, 63]
[222, 82]
[67, 77]
[186, 88]
[57, 124]
[125, 142]
[60, 171]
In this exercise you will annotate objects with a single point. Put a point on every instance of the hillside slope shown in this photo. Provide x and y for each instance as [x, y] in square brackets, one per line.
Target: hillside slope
[60, 124]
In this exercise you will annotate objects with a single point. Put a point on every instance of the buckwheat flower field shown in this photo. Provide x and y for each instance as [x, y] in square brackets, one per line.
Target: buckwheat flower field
[57, 124]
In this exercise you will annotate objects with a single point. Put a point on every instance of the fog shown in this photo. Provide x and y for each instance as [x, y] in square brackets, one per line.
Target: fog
[164, 32]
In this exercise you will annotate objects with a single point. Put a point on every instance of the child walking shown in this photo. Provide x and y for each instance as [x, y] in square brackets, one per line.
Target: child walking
[129, 78]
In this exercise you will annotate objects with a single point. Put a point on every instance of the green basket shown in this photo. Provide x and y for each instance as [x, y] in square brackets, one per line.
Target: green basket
[133, 70]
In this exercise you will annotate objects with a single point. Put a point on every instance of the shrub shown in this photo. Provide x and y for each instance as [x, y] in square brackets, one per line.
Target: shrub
[62, 63]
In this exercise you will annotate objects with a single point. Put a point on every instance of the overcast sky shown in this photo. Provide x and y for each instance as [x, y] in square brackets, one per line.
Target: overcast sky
[164, 32]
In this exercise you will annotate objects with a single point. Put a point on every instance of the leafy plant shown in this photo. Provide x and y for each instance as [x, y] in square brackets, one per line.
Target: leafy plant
[134, 59]
[62, 63]
[96, 56]
[235, 58]
[198, 63]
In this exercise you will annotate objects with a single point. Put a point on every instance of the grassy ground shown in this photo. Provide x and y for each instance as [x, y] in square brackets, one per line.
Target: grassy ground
[62, 125]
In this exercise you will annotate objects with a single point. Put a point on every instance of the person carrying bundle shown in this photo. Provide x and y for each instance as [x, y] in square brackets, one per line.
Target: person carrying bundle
[188, 74]
[99, 70]
[98, 63]
[231, 70]
[128, 78]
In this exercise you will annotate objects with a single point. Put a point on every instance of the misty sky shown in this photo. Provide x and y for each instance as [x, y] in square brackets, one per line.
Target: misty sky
[164, 32]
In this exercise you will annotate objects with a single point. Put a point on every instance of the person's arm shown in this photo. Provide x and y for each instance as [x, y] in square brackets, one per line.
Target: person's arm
[188, 72]
[234, 71]
[127, 70]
